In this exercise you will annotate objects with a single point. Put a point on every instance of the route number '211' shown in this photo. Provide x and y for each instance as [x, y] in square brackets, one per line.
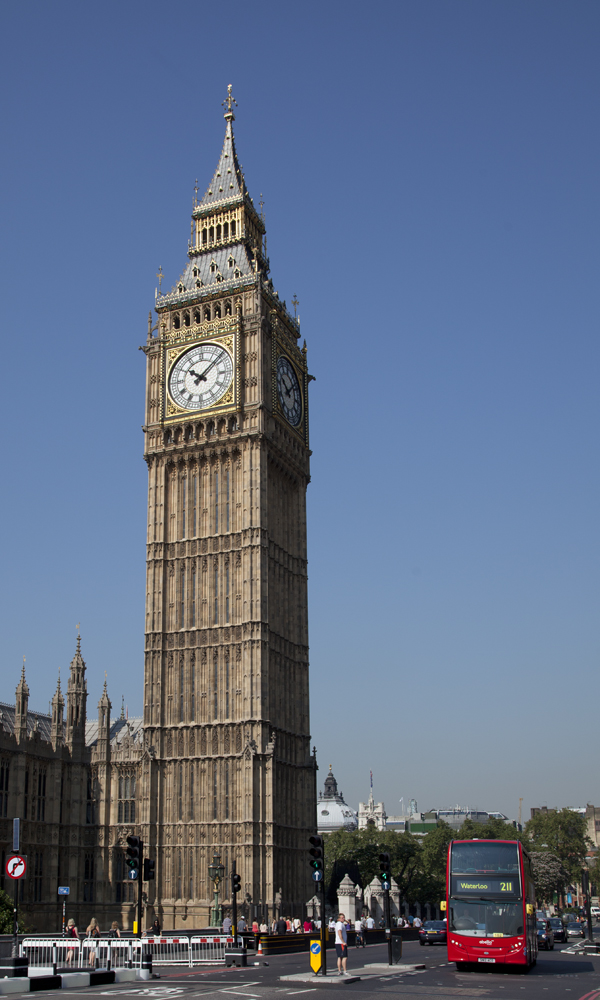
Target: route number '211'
[506, 887]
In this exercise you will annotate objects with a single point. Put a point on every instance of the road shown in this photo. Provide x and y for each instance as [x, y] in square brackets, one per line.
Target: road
[570, 977]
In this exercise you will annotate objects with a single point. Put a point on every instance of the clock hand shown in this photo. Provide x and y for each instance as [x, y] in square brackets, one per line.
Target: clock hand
[206, 370]
[198, 378]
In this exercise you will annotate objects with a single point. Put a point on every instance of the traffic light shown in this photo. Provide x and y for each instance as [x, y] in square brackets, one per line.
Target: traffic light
[149, 869]
[385, 869]
[236, 882]
[317, 858]
[134, 856]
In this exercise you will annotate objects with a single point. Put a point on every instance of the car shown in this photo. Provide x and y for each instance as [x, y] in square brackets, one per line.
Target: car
[595, 910]
[558, 928]
[433, 932]
[545, 935]
[575, 929]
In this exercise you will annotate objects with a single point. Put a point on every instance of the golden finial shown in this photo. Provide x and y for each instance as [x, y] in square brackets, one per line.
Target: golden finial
[262, 207]
[228, 104]
[295, 303]
[196, 193]
[159, 275]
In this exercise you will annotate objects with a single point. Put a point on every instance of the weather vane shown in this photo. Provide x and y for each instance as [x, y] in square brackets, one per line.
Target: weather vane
[229, 101]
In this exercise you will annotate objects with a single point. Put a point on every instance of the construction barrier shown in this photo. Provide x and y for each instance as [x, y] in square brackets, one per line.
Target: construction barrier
[124, 953]
[209, 949]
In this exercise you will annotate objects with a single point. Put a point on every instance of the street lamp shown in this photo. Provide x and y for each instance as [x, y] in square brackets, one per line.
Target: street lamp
[216, 872]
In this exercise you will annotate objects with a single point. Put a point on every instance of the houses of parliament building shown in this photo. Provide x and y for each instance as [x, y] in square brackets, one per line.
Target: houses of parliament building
[221, 758]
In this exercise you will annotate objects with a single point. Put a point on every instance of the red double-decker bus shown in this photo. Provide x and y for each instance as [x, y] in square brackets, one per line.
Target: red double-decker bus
[490, 903]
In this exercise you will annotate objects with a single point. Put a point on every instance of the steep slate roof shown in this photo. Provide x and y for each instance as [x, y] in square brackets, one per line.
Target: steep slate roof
[201, 264]
[228, 180]
[7, 721]
[119, 729]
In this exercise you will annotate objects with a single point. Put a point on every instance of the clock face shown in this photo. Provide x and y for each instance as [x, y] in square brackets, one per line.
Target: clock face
[288, 391]
[201, 376]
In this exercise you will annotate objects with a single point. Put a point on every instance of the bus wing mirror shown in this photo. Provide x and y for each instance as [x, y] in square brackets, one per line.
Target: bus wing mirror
[443, 904]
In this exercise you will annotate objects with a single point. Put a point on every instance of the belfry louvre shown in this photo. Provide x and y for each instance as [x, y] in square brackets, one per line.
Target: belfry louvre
[221, 758]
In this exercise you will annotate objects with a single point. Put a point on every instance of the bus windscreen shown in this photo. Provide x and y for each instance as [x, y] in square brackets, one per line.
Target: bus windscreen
[484, 856]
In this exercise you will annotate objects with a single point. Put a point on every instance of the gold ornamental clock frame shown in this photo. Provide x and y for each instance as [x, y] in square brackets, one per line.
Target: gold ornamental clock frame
[224, 333]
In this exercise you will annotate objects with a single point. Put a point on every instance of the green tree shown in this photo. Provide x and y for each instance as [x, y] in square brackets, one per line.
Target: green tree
[549, 875]
[6, 915]
[563, 833]
[428, 882]
[362, 848]
[492, 829]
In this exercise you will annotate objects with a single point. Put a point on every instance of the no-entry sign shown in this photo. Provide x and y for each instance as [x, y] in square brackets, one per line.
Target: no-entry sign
[16, 866]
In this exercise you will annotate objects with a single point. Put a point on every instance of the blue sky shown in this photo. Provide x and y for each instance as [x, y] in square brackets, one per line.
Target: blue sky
[429, 171]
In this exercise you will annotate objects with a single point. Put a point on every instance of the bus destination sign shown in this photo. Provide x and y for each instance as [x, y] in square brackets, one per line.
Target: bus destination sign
[485, 885]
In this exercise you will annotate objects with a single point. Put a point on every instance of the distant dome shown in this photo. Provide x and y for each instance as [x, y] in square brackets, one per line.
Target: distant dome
[332, 811]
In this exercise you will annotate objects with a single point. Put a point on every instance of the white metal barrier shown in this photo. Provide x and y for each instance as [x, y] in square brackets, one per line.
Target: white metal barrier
[122, 953]
[168, 950]
[208, 950]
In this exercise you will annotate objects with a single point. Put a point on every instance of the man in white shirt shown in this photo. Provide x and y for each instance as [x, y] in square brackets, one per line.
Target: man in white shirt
[370, 924]
[341, 945]
[417, 922]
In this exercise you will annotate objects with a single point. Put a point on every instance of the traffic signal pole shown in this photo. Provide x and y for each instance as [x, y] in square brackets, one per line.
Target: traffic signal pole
[385, 868]
[317, 863]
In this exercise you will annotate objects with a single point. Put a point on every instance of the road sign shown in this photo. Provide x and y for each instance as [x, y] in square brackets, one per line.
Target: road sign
[132, 874]
[63, 890]
[315, 956]
[317, 876]
[16, 866]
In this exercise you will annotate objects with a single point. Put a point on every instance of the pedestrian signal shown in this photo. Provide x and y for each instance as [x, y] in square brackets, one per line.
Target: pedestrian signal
[134, 852]
[236, 882]
[385, 869]
[149, 869]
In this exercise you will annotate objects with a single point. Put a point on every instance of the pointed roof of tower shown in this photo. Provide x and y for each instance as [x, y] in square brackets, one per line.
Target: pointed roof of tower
[104, 700]
[58, 697]
[228, 180]
[22, 687]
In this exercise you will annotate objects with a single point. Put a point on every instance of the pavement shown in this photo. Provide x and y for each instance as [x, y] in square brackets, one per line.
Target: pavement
[558, 974]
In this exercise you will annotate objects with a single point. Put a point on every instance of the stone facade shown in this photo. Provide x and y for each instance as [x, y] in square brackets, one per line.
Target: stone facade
[223, 759]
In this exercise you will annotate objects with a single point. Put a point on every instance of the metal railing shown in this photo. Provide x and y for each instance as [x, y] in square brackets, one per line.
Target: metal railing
[124, 953]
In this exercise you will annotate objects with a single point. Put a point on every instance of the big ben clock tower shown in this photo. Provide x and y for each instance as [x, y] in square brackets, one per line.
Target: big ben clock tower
[228, 765]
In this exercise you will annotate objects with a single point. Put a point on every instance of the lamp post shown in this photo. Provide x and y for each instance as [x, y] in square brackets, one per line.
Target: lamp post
[216, 872]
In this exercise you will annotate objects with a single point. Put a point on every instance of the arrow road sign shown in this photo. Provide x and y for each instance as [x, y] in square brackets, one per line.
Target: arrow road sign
[63, 890]
[16, 866]
[132, 874]
[317, 876]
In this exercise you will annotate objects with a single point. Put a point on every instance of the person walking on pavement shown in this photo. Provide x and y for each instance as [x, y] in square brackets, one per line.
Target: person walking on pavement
[341, 945]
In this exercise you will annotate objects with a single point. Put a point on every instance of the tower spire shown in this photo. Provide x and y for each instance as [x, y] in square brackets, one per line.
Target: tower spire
[228, 104]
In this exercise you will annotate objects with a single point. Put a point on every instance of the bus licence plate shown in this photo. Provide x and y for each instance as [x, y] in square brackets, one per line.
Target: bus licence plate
[486, 959]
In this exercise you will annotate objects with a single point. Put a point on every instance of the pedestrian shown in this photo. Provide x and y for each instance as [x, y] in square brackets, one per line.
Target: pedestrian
[227, 923]
[155, 930]
[264, 928]
[308, 926]
[72, 933]
[417, 922]
[370, 924]
[114, 931]
[288, 925]
[242, 925]
[381, 923]
[280, 926]
[341, 945]
[255, 926]
[359, 928]
[297, 925]
[92, 931]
